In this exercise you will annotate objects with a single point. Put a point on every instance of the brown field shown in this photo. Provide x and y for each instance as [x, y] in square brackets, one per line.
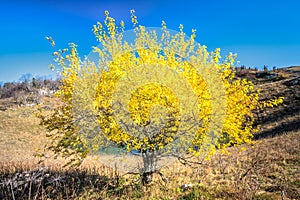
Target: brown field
[268, 170]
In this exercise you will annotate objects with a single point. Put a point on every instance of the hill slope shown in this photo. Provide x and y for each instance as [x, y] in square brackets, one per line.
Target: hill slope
[270, 170]
[286, 117]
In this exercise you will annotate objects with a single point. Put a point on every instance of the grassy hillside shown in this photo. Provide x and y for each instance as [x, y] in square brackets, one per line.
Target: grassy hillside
[286, 117]
[268, 170]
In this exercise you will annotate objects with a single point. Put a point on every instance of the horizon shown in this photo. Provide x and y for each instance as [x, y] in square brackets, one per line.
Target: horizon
[260, 32]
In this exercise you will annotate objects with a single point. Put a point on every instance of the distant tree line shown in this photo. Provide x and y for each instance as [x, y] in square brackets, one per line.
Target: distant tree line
[253, 73]
[28, 90]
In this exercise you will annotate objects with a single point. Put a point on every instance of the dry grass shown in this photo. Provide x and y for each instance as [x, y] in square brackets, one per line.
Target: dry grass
[268, 170]
[20, 134]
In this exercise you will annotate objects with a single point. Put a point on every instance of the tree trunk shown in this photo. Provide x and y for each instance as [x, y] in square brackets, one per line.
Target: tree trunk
[150, 164]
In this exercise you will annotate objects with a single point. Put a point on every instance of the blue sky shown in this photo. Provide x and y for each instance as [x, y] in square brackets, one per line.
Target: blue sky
[261, 32]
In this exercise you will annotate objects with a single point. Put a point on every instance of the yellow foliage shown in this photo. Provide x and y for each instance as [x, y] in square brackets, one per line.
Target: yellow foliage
[202, 85]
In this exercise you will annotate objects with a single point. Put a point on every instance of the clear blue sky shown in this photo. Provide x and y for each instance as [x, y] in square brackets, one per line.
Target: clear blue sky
[261, 32]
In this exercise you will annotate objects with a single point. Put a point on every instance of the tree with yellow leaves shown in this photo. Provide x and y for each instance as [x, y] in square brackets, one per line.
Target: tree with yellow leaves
[161, 95]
